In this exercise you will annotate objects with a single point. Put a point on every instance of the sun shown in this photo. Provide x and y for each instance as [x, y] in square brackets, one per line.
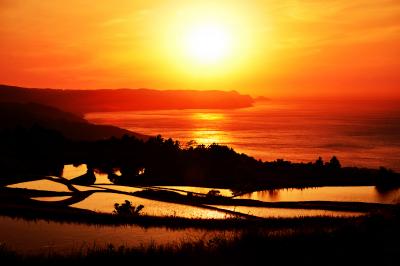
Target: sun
[207, 43]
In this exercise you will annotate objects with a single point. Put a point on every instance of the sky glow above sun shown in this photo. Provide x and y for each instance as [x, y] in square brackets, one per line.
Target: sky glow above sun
[260, 47]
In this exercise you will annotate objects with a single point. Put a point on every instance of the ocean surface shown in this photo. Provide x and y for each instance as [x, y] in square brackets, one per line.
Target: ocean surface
[362, 133]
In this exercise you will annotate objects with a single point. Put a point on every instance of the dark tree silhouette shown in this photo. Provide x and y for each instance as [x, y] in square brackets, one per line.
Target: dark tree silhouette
[159, 161]
[319, 163]
[127, 209]
[334, 163]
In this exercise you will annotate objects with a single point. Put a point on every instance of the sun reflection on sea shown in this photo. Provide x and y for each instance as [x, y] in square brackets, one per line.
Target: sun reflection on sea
[207, 131]
[208, 137]
[208, 116]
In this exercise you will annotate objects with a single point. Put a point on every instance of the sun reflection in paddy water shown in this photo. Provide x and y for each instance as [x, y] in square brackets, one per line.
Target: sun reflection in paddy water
[104, 202]
[70, 171]
[43, 184]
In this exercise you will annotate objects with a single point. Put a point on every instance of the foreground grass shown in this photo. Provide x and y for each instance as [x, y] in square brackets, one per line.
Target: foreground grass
[372, 240]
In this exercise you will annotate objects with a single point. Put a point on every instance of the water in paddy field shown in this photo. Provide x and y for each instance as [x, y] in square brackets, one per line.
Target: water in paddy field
[348, 194]
[360, 133]
[43, 237]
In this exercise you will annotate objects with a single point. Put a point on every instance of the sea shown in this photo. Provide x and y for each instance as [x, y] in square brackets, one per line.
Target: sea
[362, 133]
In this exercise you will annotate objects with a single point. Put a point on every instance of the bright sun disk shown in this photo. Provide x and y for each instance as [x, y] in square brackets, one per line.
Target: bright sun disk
[208, 43]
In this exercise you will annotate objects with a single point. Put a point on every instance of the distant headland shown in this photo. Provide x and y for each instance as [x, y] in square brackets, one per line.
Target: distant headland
[114, 100]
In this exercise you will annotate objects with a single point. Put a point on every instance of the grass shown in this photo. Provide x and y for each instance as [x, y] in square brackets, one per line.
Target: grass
[372, 240]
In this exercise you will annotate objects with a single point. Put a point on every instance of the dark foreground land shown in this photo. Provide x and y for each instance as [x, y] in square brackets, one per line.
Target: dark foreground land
[370, 240]
[156, 161]
[39, 150]
[39, 140]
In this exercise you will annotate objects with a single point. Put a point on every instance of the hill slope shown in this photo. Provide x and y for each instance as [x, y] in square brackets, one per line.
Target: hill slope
[74, 127]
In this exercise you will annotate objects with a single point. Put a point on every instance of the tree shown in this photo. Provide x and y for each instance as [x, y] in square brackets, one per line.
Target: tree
[319, 163]
[334, 163]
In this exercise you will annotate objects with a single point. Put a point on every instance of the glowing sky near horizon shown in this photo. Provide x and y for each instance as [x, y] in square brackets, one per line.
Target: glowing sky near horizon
[259, 47]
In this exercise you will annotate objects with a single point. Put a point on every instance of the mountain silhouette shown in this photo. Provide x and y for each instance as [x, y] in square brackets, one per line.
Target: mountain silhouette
[84, 101]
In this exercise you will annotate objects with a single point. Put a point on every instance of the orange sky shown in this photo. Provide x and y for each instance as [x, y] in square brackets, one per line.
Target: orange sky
[278, 47]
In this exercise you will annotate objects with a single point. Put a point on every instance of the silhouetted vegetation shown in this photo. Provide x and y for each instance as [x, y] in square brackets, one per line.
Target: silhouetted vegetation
[127, 208]
[368, 241]
[213, 193]
[159, 161]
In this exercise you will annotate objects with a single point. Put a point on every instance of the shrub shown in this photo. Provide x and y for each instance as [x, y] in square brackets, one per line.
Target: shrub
[126, 208]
